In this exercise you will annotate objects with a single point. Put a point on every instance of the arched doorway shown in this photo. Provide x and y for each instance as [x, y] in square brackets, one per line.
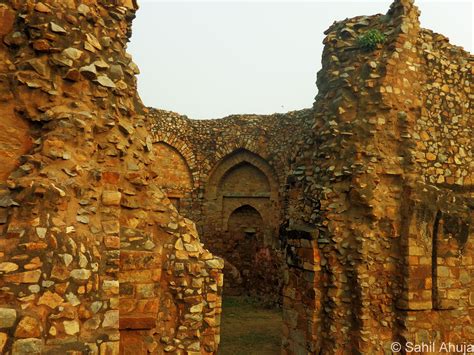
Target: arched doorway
[241, 225]
[244, 240]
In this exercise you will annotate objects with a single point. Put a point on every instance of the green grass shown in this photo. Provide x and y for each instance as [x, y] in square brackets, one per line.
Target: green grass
[249, 328]
[370, 39]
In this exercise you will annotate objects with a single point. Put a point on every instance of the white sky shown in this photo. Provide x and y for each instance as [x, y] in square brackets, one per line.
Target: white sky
[211, 59]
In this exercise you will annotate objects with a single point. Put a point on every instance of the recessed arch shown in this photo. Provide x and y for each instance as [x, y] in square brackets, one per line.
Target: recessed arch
[174, 173]
[183, 148]
[241, 177]
[237, 158]
[245, 170]
[245, 218]
[241, 210]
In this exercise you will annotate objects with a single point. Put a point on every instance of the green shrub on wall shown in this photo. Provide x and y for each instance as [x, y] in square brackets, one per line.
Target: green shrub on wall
[369, 40]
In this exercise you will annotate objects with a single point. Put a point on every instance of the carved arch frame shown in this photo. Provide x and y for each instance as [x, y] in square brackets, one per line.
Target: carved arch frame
[214, 201]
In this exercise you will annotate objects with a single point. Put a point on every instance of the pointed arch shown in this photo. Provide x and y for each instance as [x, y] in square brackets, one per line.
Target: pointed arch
[184, 150]
[241, 178]
[240, 157]
[244, 217]
[173, 173]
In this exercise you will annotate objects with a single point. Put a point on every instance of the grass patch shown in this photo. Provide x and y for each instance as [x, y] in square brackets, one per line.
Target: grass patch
[249, 328]
[370, 39]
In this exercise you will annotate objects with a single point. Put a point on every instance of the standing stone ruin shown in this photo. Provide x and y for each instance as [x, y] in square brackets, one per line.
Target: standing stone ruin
[121, 226]
[239, 166]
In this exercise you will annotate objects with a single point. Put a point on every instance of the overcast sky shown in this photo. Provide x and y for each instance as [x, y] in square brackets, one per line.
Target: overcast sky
[211, 59]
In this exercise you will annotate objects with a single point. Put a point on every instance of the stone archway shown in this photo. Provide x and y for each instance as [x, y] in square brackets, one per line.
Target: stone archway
[243, 239]
[241, 211]
[241, 177]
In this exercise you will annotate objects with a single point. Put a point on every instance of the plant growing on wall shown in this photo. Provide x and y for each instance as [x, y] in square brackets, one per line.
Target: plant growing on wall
[369, 40]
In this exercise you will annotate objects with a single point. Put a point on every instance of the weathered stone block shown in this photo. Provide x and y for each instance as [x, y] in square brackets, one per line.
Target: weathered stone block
[81, 275]
[111, 198]
[28, 346]
[50, 299]
[71, 327]
[7, 317]
[111, 319]
[28, 327]
[8, 267]
[28, 277]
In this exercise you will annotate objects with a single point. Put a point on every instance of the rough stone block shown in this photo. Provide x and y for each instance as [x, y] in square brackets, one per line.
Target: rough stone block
[7, 317]
[28, 327]
[111, 198]
[28, 277]
[29, 346]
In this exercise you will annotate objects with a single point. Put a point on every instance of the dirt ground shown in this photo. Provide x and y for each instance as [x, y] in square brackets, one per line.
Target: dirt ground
[248, 328]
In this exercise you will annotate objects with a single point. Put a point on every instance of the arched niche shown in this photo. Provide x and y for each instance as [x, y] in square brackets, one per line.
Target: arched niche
[245, 219]
[245, 179]
[172, 173]
[449, 274]
[241, 219]
[244, 159]
[241, 178]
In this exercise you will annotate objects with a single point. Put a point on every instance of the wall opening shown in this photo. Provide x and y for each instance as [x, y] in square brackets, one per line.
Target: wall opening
[241, 217]
[241, 225]
[449, 275]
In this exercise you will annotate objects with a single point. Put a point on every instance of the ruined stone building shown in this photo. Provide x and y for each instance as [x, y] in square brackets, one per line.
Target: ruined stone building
[121, 226]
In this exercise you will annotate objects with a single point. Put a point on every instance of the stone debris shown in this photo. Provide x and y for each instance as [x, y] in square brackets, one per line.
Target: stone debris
[89, 71]
[72, 53]
[40, 7]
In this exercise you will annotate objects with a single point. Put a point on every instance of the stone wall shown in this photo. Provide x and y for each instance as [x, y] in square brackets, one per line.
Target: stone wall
[236, 162]
[370, 255]
[177, 182]
[94, 258]
[443, 131]
[207, 144]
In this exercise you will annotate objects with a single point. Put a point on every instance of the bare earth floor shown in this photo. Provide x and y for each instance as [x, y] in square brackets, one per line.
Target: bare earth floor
[248, 328]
